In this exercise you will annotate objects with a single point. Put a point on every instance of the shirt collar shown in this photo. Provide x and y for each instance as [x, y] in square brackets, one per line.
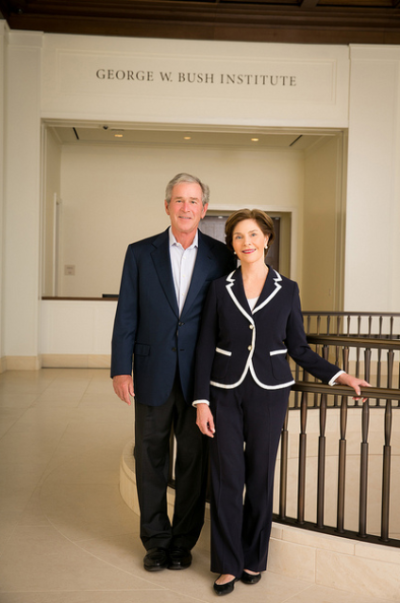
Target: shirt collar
[173, 241]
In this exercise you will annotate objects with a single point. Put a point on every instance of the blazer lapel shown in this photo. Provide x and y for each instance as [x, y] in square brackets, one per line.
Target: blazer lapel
[235, 289]
[271, 288]
[234, 286]
[162, 265]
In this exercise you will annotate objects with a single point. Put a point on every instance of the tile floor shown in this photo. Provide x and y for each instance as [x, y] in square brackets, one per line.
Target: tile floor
[66, 536]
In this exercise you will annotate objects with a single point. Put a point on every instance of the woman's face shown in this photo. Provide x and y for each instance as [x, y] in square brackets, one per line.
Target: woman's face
[248, 241]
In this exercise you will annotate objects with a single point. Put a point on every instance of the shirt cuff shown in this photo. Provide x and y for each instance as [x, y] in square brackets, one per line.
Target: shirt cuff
[196, 402]
[333, 380]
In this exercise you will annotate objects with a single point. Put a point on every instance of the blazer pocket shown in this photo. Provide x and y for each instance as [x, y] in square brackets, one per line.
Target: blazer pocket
[223, 352]
[280, 366]
[277, 352]
[141, 349]
[222, 365]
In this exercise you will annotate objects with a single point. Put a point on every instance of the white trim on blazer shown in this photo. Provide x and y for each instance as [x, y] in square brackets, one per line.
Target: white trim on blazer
[249, 364]
[223, 352]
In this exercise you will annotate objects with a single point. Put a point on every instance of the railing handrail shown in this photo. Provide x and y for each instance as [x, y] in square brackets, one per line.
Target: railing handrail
[354, 342]
[343, 390]
[348, 313]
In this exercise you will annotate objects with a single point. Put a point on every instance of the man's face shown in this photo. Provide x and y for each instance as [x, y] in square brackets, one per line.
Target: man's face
[185, 208]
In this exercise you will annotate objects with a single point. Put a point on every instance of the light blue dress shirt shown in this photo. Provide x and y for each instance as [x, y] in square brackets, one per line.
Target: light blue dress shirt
[182, 264]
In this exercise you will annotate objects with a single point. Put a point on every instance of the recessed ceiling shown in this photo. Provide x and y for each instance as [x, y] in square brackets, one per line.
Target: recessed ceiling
[118, 135]
[290, 21]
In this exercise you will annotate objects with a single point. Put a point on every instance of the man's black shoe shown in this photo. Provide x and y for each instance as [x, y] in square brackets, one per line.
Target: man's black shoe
[156, 560]
[179, 558]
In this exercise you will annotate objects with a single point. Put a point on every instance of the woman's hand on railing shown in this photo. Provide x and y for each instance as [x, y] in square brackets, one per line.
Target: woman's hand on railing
[205, 420]
[354, 382]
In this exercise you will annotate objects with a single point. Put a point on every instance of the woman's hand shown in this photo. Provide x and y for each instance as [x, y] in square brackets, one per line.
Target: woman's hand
[205, 420]
[354, 382]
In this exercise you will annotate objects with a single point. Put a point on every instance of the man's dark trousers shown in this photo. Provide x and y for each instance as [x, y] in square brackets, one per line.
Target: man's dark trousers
[152, 454]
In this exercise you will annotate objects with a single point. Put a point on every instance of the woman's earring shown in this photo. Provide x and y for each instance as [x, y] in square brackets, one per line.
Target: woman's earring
[266, 245]
[234, 253]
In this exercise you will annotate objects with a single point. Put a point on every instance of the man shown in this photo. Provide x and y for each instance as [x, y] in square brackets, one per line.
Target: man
[164, 283]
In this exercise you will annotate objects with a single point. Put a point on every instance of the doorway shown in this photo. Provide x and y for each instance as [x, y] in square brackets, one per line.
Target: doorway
[110, 185]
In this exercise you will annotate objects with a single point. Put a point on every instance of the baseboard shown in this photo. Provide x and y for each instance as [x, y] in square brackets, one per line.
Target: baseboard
[76, 360]
[21, 363]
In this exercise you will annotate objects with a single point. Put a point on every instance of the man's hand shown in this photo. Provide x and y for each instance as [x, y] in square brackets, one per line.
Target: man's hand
[205, 420]
[123, 387]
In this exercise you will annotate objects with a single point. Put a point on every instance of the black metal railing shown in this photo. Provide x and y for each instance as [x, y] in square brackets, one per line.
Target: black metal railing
[323, 392]
[377, 360]
[359, 324]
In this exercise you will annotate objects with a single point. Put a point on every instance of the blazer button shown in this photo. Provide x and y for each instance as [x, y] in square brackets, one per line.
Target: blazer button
[250, 348]
[251, 326]
[173, 349]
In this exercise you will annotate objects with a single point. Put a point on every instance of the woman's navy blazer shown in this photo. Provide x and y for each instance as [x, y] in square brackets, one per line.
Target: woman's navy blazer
[235, 341]
[147, 323]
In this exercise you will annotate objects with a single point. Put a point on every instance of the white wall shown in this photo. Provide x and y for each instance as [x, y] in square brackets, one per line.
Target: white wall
[373, 193]
[51, 197]
[323, 218]
[113, 196]
[76, 333]
[317, 98]
[22, 199]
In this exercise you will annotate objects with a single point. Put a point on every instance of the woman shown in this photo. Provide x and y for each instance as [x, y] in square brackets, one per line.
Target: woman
[252, 319]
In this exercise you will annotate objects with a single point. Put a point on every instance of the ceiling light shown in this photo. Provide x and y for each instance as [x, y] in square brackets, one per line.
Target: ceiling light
[118, 135]
[254, 139]
[187, 138]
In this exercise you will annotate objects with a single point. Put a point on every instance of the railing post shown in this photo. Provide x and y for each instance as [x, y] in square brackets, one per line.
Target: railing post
[378, 373]
[367, 364]
[342, 466]
[386, 473]
[321, 463]
[338, 323]
[379, 362]
[358, 349]
[348, 324]
[302, 460]
[390, 368]
[346, 353]
[364, 470]
[283, 471]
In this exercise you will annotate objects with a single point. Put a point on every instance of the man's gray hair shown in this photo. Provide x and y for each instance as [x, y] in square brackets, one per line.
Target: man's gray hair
[187, 178]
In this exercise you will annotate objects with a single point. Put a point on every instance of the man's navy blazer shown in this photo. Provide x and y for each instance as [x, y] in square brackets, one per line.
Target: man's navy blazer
[235, 341]
[147, 323]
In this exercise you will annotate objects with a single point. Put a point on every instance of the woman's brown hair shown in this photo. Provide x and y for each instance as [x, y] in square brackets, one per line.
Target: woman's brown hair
[263, 220]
